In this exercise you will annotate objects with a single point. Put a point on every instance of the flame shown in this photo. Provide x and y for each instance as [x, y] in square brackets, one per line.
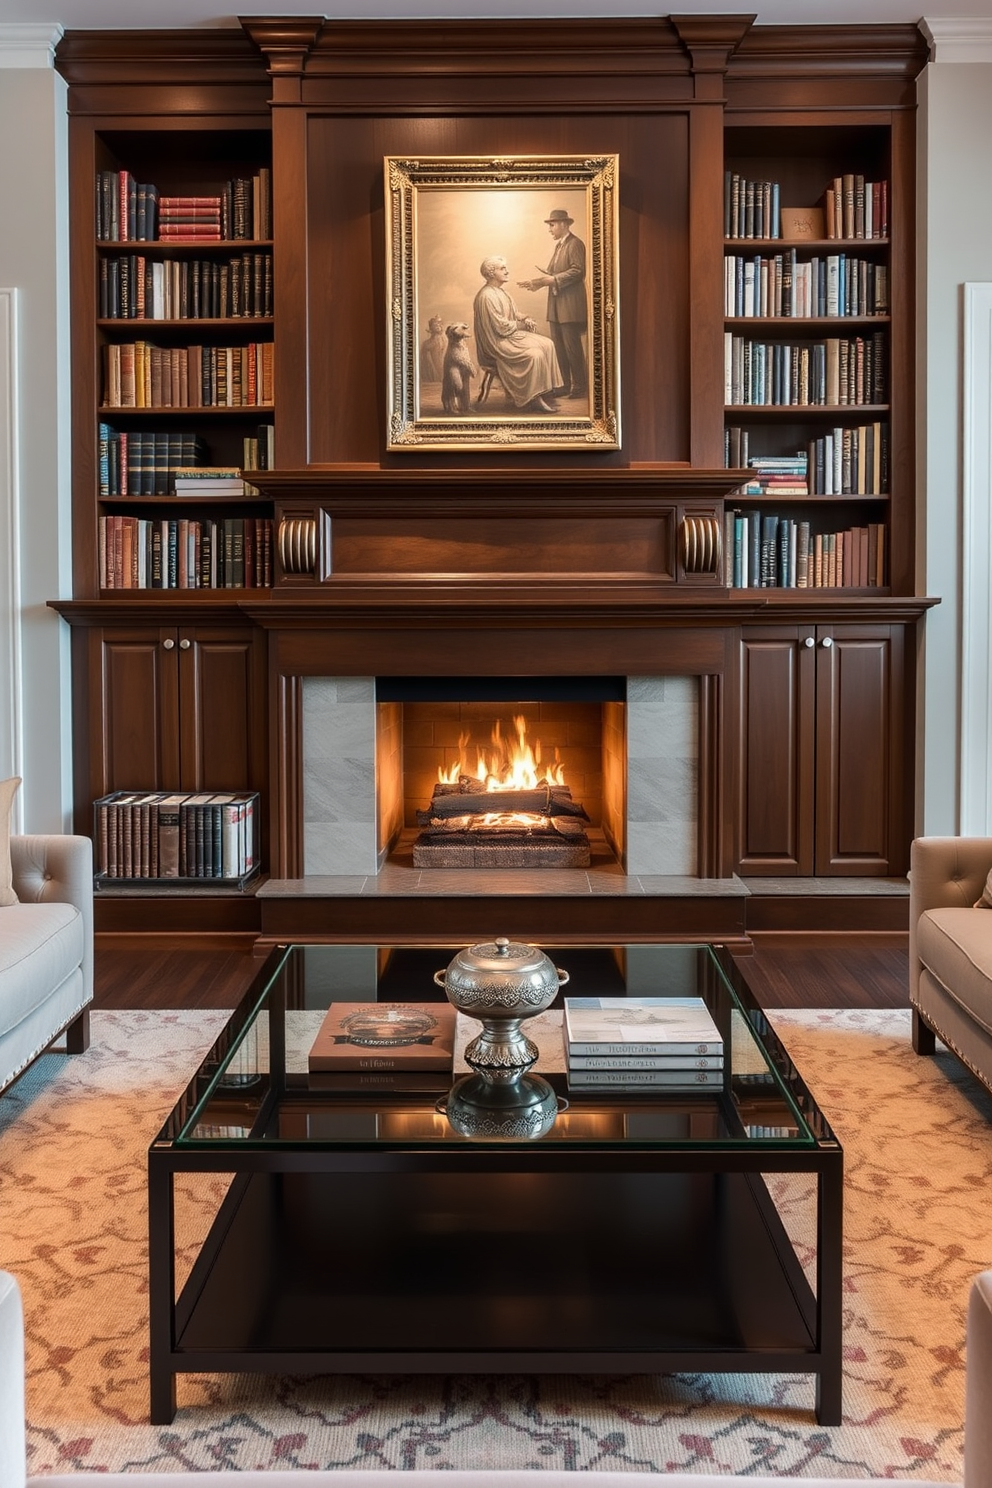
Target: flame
[510, 765]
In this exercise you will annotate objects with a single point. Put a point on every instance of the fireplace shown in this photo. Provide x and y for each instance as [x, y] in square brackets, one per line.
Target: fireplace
[373, 748]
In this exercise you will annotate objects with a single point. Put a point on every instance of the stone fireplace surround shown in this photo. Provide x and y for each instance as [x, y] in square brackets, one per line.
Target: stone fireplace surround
[352, 772]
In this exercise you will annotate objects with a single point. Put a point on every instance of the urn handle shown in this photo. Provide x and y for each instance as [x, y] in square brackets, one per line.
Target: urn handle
[439, 980]
[563, 977]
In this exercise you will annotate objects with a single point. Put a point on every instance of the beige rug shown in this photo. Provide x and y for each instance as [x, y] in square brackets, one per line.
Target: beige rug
[917, 1135]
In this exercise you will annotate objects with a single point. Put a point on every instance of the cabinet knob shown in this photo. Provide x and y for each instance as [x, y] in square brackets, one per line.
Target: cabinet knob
[184, 645]
[809, 642]
[167, 645]
[827, 642]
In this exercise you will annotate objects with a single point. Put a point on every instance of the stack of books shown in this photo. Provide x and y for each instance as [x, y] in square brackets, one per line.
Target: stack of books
[189, 219]
[777, 475]
[650, 1043]
[208, 480]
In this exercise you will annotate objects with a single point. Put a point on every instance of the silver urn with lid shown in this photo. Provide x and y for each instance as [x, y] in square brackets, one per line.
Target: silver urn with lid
[502, 983]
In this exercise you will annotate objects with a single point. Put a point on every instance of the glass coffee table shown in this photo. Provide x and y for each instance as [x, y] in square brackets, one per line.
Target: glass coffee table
[361, 1232]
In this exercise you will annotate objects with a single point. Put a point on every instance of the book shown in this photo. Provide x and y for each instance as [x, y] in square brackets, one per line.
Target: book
[380, 1082]
[384, 1036]
[640, 1025]
[685, 1064]
[802, 222]
[644, 1080]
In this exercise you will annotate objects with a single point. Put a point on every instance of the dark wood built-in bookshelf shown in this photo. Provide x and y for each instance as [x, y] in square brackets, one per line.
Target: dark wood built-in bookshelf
[808, 692]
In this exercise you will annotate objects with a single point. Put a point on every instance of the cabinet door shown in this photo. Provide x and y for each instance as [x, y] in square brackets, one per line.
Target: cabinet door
[859, 768]
[133, 711]
[222, 682]
[775, 834]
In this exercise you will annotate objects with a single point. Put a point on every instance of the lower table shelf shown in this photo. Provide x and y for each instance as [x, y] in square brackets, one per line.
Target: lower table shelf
[583, 1272]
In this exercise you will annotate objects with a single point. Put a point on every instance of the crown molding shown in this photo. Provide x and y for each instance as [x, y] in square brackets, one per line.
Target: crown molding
[965, 40]
[29, 43]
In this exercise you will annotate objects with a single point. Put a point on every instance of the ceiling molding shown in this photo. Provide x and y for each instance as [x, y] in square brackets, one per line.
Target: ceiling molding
[29, 43]
[966, 40]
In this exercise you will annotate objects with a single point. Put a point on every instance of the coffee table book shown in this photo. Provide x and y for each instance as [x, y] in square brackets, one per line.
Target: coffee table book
[640, 1026]
[384, 1036]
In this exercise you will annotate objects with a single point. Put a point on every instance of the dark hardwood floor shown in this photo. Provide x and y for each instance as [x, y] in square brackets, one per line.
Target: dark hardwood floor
[858, 971]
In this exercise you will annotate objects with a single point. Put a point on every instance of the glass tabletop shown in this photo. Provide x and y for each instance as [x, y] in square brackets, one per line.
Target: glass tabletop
[256, 1087]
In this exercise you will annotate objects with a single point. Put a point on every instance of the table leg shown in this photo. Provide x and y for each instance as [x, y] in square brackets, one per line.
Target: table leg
[829, 1290]
[161, 1291]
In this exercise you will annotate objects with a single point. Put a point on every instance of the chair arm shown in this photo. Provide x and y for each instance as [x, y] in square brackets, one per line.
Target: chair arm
[57, 869]
[977, 1418]
[944, 873]
[13, 1461]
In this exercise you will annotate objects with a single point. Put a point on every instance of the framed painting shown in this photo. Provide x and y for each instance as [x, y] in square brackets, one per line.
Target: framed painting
[503, 303]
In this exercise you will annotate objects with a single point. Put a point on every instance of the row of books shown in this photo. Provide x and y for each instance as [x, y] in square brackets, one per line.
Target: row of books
[669, 1043]
[138, 374]
[180, 553]
[846, 461]
[751, 209]
[784, 285]
[154, 834]
[763, 550]
[144, 462]
[135, 211]
[133, 287]
[856, 208]
[837, 371]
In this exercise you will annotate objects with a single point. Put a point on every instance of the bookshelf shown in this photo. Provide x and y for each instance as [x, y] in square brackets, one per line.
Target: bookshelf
[417, 561]
[184, 341]
[810, 222]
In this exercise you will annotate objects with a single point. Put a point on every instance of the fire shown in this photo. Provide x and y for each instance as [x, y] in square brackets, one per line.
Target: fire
[509, 765]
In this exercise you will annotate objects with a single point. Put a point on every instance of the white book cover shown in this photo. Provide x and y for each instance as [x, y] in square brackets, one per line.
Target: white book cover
[660, 1024]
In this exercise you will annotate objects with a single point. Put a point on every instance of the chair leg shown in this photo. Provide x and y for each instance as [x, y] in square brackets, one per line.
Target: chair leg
[77, 1034]
[484, 387]
[924, 1038]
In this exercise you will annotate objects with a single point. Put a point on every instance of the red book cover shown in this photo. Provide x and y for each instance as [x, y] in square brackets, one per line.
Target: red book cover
[382, 1036]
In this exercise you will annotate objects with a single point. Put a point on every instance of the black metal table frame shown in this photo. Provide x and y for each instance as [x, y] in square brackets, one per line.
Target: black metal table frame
[822, 1311]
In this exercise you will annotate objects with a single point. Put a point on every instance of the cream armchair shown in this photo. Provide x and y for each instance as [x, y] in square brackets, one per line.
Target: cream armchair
[950, 949]
[46, 950]
[977, 1453]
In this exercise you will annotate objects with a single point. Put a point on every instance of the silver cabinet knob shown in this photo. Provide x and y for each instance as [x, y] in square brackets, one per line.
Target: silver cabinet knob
[184, 645]
[827, 642]
[168, 644]
[809, 642]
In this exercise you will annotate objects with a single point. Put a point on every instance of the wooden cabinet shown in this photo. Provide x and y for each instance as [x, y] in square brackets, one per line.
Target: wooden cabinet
[821, 727]
[176, 708]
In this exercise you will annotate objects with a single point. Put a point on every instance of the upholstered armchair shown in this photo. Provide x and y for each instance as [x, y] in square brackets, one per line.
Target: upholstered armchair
[46, 949]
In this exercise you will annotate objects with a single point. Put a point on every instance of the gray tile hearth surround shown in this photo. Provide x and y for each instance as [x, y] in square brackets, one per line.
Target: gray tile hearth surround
[341, 834]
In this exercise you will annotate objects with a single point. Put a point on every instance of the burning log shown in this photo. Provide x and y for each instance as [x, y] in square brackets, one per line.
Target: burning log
[547, 801]
[513, 813]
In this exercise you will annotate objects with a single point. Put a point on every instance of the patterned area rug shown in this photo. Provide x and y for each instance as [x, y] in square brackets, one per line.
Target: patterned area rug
[918, 1140]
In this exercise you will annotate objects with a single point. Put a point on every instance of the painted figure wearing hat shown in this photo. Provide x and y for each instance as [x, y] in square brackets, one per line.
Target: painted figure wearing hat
[565, 280]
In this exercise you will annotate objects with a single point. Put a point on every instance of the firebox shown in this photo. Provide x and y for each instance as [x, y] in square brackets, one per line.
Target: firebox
[507, 773]
[466, 772]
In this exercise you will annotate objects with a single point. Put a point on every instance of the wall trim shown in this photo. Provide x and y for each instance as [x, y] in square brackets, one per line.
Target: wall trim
[29, 44]
[11, 720]
[976, 545]
[965, 40]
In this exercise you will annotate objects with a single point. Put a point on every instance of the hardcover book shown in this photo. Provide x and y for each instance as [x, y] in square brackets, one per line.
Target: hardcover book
[383, 1036]
[644, 1080]
[640, 1025]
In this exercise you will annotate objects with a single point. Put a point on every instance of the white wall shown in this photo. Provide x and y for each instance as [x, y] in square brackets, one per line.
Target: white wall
[955, 200]
[34, 457]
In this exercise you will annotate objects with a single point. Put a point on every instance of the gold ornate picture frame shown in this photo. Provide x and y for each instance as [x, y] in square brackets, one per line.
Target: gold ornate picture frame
[503, 301]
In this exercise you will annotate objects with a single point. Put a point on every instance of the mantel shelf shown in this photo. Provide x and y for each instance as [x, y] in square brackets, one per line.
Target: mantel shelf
[441, 601]
[515, 493]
